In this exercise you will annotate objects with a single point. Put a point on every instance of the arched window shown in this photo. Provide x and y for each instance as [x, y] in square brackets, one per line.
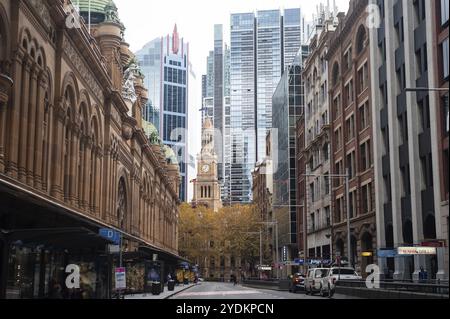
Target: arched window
[121, 204]
[360, 39]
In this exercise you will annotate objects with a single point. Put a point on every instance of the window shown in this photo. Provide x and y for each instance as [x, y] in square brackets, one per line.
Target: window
[337, 106]
[444, 11]
[350, 128]
[445, 57]
[366, 156]
[349, 93]
[327, 216]
[352, 204]
[445, 118]
[364, 115]
[351, 165]
[366, 200]
[337, 138]
[313, 222]
[326, 181]
[348, 59]
[363, 78]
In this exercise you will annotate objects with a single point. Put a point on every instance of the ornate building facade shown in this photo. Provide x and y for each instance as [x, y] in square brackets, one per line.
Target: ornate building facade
[74, 157]
[351, 138]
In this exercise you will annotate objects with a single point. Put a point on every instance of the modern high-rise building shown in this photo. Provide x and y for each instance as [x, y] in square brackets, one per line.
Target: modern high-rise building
[165, 65]
[407, 67]
[243, 115]
[216, 105]
[262, 46]
[288, 106]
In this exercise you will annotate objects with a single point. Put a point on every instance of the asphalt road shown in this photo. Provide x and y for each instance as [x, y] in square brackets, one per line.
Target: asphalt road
[213, 290]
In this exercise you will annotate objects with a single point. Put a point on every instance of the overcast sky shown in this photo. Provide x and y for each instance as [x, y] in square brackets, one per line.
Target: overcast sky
[147, 19]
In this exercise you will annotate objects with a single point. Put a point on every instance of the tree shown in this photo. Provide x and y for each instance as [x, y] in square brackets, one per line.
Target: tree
[232, 232]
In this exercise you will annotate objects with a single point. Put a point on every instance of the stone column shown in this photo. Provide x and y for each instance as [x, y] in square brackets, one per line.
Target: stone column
[32, 110]
[57, 144]
[23, 120]
[98, 182]
[5, 86]
[74, 149]
[14, 116]
[38, 138]
[87, 168]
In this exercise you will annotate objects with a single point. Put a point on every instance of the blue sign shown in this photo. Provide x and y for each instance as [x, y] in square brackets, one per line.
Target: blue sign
[111, 235]
[299, 261]
[387, 253]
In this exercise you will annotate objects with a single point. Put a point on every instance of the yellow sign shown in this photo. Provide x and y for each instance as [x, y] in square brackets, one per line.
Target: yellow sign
[367, 254]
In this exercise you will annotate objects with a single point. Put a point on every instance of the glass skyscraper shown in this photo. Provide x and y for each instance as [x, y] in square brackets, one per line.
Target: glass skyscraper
[288, 106]
[243, 117]
[262, 46]
[165, 64]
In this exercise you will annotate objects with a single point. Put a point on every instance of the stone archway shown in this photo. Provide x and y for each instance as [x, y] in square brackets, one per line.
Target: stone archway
[366, 247]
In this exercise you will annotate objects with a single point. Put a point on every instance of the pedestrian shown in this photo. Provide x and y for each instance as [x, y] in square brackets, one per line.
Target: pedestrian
[423, 275]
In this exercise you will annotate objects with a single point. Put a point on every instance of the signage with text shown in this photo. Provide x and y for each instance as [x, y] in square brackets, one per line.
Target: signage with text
[121, 280]
[416, 250]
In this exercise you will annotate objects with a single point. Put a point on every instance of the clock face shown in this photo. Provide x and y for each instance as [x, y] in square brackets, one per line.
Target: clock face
[205, 168]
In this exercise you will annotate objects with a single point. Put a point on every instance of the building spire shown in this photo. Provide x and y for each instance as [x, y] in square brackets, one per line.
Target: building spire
[175, 40]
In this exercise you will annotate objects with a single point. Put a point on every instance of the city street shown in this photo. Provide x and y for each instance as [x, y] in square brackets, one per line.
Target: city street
[216, 290]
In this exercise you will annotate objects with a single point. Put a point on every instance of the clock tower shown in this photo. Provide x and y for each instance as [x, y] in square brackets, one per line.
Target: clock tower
[206, 186]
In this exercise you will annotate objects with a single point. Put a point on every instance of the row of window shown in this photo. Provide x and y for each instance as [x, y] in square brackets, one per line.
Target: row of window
[361, 201]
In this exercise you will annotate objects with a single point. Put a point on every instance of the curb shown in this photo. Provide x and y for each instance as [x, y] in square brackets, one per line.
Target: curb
[176, 293]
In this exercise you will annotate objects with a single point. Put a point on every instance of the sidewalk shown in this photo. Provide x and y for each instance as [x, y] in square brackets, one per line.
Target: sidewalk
[164, 295]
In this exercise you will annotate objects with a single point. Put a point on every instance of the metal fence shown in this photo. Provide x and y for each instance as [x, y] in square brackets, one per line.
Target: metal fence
[438, 287]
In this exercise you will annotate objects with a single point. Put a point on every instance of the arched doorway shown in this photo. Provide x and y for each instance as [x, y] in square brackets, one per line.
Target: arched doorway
[366, 247]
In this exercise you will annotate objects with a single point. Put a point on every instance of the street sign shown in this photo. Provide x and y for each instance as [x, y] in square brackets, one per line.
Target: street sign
[121, 281]
[113, 249]
[111, 235]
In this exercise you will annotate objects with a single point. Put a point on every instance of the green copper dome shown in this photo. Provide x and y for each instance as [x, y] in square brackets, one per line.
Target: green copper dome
[98, 9]
[151, 131]
[170, 155]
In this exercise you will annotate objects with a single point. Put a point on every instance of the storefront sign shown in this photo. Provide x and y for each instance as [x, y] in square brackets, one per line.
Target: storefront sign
[121, 280]
[416, 250]
[264, 268]
[386, 253]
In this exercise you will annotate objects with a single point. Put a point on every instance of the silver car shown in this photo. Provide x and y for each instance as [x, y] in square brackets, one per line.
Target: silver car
[313, 280]
[328, 283]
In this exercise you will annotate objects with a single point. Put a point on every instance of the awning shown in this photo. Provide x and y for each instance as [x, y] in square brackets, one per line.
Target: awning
[63, 238]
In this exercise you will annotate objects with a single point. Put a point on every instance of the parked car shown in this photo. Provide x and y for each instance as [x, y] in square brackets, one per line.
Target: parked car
[297, 283]
[328, 284]
[313, 280]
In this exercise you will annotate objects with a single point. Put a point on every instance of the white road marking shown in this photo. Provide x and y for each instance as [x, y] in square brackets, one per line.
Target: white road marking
[219, 293]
